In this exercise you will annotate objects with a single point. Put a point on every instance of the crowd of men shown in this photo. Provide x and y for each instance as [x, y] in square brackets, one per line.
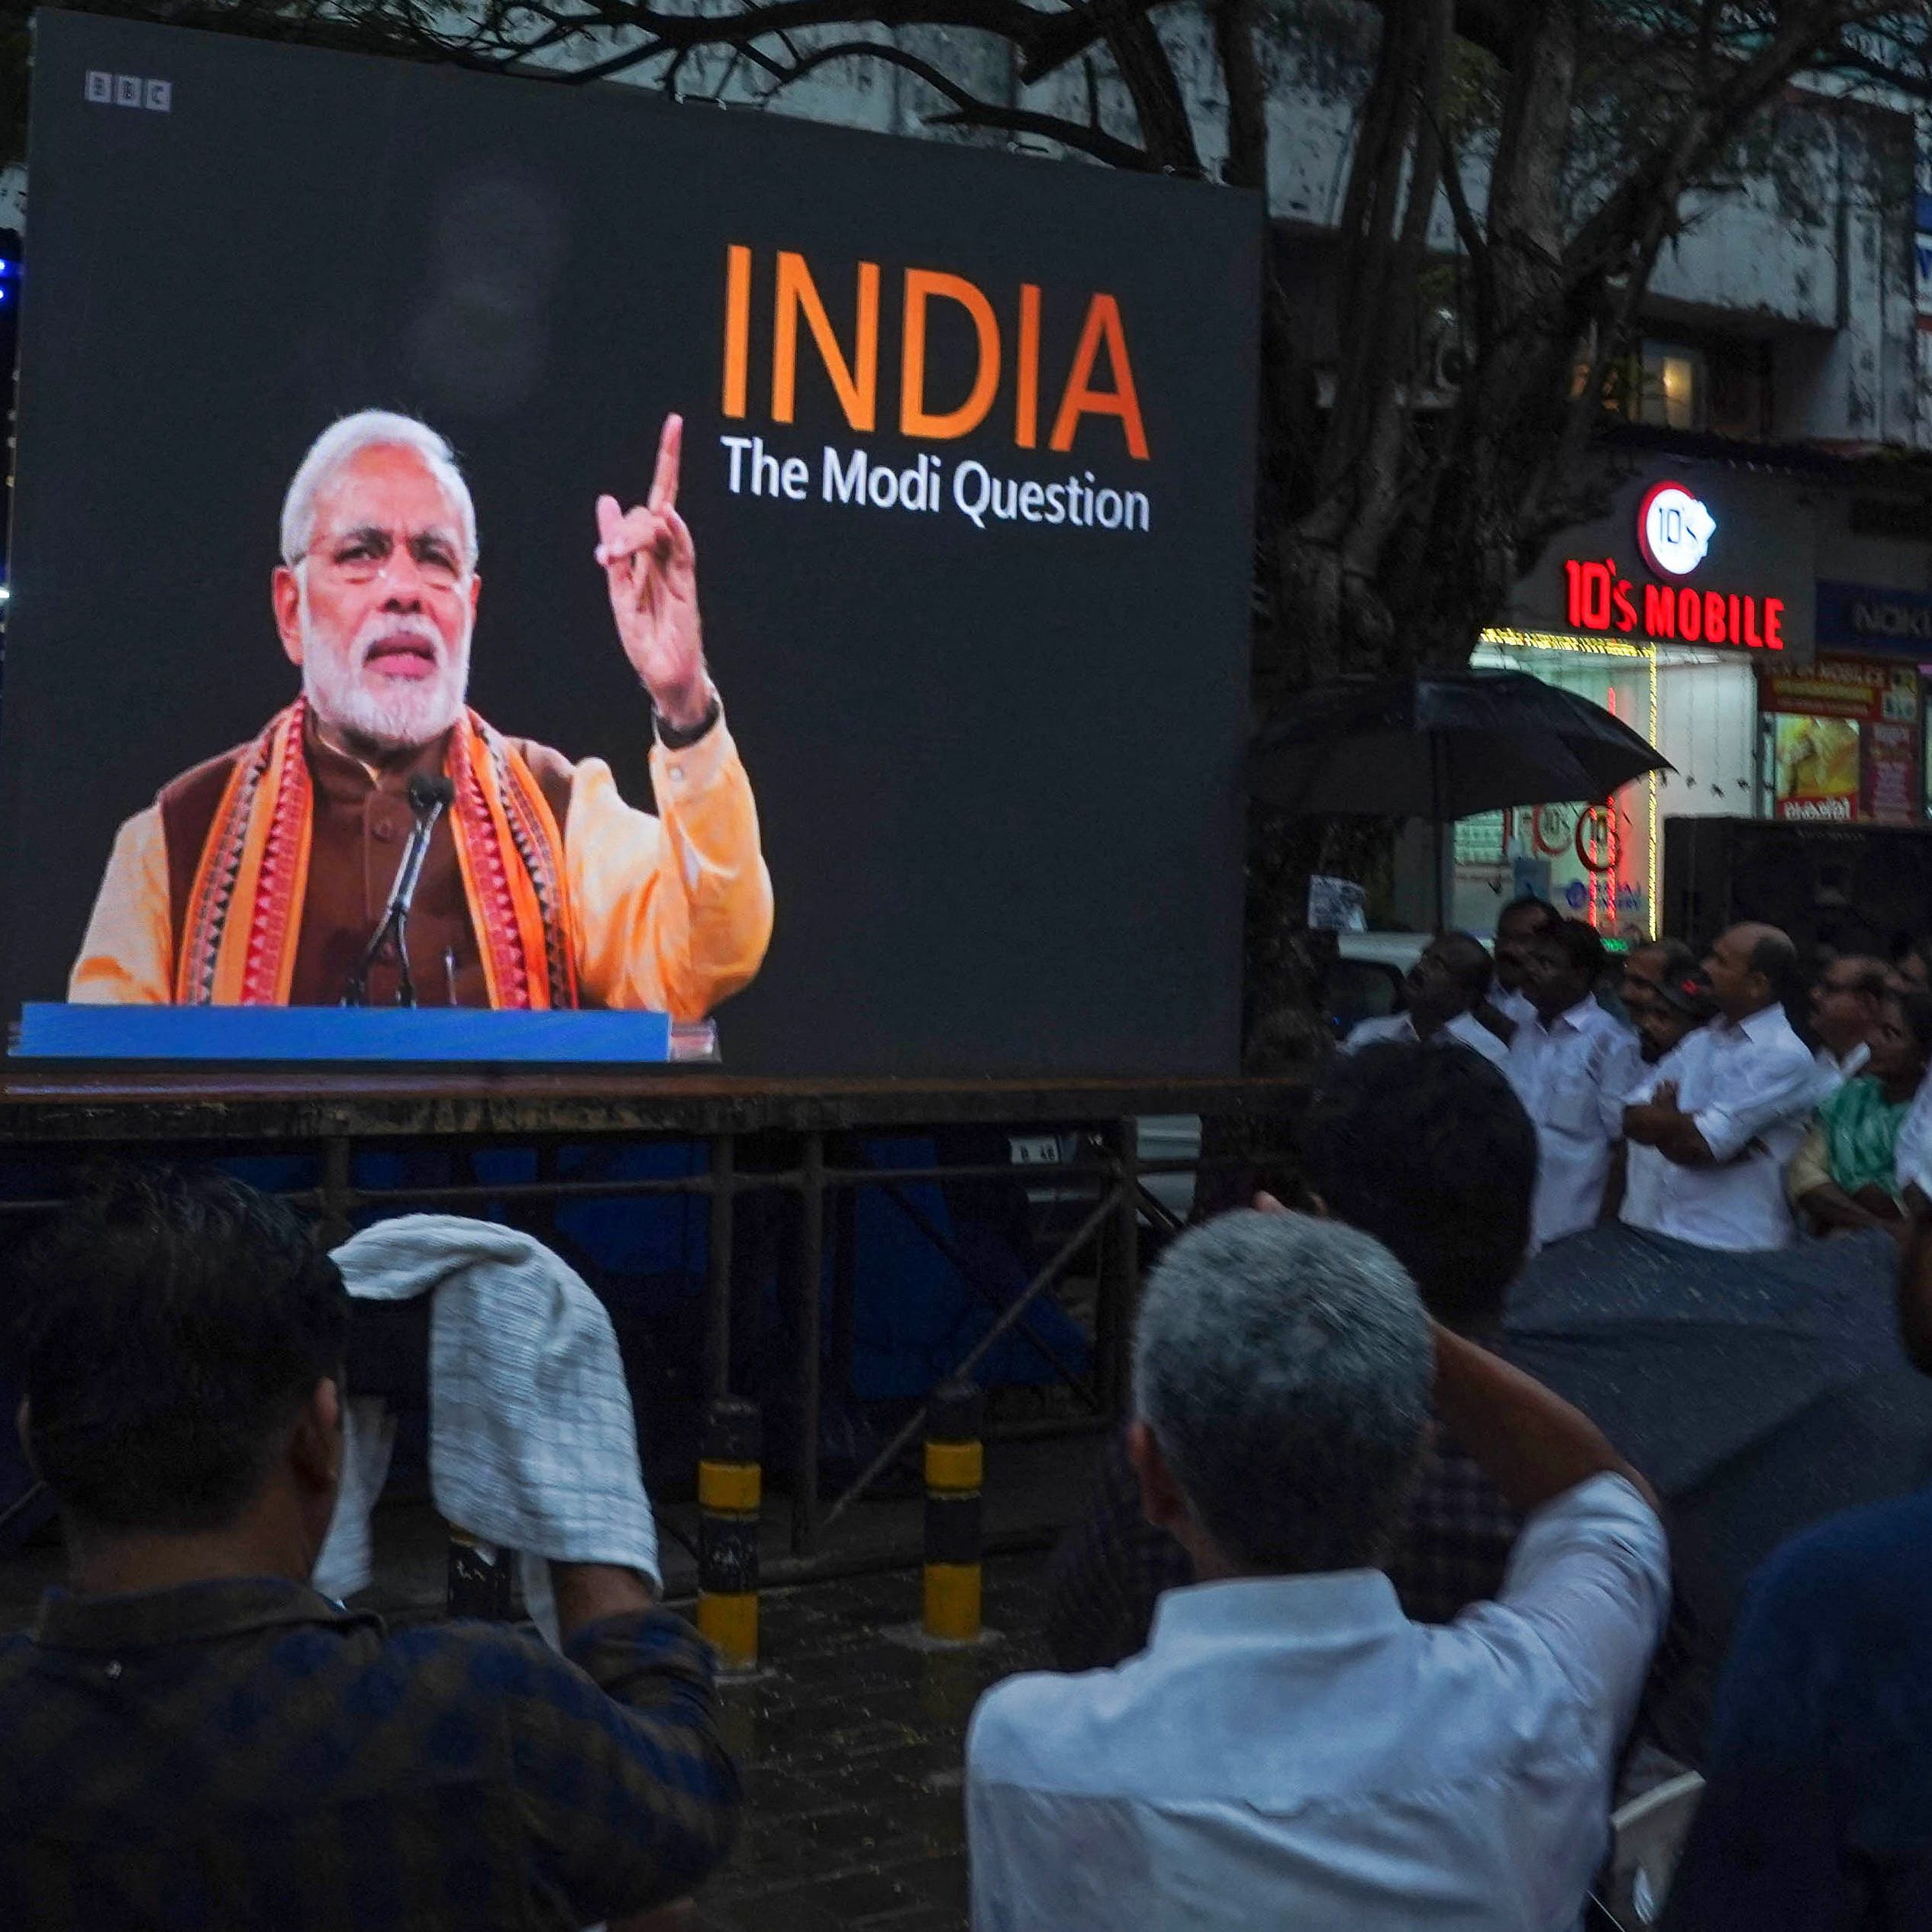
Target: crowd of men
[1352, 1634]
[1678, 1095]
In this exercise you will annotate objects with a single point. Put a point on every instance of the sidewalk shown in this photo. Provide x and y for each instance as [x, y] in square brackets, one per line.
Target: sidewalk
[851, 1749]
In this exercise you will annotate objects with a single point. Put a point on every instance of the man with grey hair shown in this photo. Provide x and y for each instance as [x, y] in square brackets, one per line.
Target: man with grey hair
[1291, 1749]
[260, 877]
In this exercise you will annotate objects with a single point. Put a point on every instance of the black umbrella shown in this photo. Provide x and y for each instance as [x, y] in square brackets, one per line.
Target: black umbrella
[1760, 1393]
[1444, 747]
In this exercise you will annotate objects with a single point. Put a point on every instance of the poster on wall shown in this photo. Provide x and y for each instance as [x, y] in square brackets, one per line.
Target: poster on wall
[1890, 795]
[1844, 741]
[1817, 768]
[748, 571]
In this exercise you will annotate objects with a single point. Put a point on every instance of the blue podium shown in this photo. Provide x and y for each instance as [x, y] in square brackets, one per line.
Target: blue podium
[411, 1034]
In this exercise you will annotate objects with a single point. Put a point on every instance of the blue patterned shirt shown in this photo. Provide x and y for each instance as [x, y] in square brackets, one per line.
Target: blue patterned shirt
[245, 1754]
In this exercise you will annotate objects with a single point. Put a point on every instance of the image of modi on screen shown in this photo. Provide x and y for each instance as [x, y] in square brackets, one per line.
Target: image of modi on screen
[259, 877]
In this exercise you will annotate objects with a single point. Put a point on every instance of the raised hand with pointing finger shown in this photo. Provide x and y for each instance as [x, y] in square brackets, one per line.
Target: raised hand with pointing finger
[651, 568]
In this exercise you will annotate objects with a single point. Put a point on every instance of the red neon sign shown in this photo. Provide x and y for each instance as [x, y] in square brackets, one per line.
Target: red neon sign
[1602, 600]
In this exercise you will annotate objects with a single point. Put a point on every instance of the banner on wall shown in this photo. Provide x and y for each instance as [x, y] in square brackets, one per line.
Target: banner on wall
[1890, 795]
[1846, 741]
[1873, 693]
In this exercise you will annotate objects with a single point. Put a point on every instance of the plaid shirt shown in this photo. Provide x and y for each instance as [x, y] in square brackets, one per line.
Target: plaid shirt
[242, 1754]
[1112, 1563]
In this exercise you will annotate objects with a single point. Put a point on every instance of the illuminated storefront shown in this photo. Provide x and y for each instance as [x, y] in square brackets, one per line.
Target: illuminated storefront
[1663, 610]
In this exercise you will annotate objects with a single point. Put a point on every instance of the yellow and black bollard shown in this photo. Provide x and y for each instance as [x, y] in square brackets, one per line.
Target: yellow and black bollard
[955, 1465]
[730, 1489]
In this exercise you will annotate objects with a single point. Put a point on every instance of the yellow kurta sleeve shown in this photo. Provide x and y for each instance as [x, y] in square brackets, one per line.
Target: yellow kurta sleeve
[673, 913]
[1810, 1166]
[127, 957]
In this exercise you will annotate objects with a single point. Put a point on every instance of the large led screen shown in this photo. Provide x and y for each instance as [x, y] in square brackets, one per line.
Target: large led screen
[748, 569]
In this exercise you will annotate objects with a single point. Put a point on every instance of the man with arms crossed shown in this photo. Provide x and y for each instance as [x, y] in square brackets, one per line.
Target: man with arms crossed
[1728, 1106]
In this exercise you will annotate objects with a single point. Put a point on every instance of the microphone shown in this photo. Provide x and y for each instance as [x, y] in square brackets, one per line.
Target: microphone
[422, 792]
[429, 798]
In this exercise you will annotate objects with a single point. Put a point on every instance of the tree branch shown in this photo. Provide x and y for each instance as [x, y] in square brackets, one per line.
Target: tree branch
[1165, 130]
[1247, 95]
[968, 111]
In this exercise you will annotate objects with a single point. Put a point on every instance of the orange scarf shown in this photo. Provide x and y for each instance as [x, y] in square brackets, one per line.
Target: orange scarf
[244, 914]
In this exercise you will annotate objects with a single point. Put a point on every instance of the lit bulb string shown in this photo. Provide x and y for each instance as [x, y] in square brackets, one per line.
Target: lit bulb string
[1647, 654]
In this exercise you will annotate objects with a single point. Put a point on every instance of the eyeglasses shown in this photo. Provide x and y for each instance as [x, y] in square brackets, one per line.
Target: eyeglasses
[360, 556]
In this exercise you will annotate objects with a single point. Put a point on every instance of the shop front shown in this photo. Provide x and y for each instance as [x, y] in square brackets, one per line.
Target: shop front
[1666, 609]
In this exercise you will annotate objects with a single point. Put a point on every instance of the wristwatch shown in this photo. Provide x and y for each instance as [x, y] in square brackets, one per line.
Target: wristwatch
[672, 739]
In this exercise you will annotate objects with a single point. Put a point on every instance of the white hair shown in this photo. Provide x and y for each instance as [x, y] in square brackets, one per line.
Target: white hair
[340, 444]
[1283, 1365]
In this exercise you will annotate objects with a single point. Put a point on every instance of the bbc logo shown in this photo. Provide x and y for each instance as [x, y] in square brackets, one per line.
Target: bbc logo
[129, 91]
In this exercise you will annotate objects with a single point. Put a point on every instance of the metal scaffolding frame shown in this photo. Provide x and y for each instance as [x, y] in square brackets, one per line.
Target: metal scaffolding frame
[69, 1119]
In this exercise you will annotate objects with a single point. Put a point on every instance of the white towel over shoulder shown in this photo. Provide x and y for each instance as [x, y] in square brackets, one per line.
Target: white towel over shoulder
[532, 1443]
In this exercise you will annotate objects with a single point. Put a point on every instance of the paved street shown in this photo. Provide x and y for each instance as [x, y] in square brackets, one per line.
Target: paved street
[851, 1744]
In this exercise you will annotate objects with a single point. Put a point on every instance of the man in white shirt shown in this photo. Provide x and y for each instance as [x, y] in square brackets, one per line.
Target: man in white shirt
[1291, 1750]
[1648, 965]
[1573, 1067]
[1847, 1000]
[1671, 1008]
[1728, 1107]
[1519, 922]
[1444, 986]
[1914, 1157]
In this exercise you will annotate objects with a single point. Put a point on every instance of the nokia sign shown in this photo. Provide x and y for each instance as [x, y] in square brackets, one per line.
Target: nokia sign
[1875, 618]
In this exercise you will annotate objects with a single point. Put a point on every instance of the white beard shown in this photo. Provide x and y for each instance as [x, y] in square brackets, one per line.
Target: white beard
[406, 713]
